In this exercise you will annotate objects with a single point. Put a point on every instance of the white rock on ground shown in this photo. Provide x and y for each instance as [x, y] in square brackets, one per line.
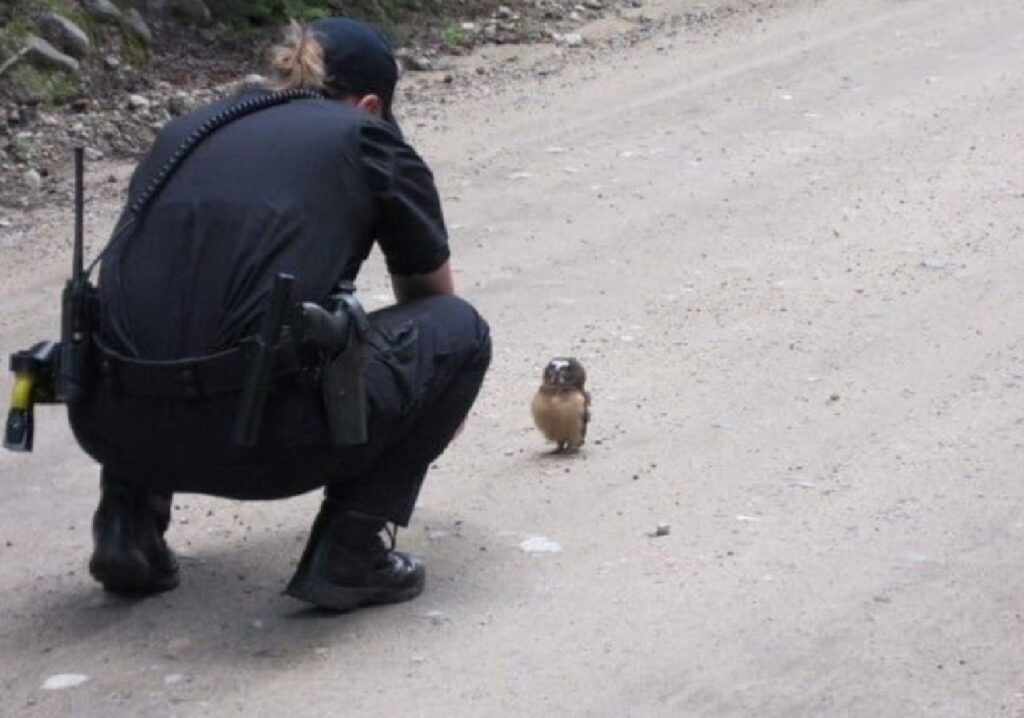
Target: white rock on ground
[138, 102]
[33, 179]
[62, 681]
[540, 544]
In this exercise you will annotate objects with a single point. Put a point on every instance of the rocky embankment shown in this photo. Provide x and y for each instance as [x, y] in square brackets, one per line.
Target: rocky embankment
[108, 78]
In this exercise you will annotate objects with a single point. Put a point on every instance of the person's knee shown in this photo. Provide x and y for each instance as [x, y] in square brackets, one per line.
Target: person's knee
[463, 328]
[482, 355]
[478, 335]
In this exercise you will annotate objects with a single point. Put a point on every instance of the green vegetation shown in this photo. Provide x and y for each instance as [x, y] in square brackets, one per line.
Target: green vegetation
[453, 36]
[24, 81]
[62, 87]
[27, 83]
[234, 19]
[22, 21]
[261, 13]
[12, 36]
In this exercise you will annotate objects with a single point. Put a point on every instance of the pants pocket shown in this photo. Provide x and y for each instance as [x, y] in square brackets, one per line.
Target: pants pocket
[393, 360]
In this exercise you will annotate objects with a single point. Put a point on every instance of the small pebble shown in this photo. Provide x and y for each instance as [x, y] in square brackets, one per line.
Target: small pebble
[938, 263]
[436, 618]
[64, 680]
[540, 544]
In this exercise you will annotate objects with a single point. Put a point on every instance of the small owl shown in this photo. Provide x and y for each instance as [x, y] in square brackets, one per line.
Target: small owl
[561, 407]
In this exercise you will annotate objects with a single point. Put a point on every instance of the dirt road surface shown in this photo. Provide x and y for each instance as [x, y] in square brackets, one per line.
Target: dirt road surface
[788, 247]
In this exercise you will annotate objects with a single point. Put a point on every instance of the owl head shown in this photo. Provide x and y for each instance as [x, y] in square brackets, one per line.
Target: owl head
[565, 372]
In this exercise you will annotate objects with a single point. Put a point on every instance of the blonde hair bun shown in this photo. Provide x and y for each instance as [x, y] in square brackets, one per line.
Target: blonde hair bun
[297, 62]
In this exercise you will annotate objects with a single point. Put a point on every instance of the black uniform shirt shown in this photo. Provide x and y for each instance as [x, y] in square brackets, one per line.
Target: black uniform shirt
[303, 188]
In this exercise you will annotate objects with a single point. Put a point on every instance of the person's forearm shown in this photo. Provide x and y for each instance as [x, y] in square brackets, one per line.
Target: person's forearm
[440, 281]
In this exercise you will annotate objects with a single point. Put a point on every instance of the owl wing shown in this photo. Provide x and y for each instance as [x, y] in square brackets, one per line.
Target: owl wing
[586, 415]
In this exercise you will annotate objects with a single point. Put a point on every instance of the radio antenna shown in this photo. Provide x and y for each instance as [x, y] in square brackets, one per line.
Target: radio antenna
[78, 256]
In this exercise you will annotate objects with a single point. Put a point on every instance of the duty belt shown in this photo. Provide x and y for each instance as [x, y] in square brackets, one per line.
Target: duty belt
[220, 373]
[336, 338]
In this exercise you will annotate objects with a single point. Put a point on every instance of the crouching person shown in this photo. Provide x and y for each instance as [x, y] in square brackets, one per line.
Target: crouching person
[302, 182]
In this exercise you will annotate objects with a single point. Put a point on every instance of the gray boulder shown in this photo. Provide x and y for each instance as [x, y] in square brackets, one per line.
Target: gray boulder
[153, 7]
[42, 54]
[411, 61]
[33, 179]
[102, 11]
[138, 102]
[64, 34]
[136, 25]
[196, 11]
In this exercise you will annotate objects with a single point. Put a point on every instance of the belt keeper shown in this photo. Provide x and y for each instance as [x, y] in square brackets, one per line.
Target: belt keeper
[107, 374]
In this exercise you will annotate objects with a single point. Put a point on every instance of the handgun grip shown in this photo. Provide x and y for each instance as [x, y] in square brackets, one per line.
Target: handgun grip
[325, 330]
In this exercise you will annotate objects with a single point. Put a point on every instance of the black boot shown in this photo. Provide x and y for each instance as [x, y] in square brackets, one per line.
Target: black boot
[130, 554]
[347, 565]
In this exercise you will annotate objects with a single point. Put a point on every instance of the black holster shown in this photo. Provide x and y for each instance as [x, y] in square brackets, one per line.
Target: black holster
[340, 334]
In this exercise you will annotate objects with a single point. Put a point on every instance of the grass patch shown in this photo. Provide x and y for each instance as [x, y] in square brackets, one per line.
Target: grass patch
[28, 84]
[23, 81]
[453, 35]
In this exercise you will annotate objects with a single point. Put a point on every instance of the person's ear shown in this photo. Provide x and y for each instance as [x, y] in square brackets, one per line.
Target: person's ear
[371, 104]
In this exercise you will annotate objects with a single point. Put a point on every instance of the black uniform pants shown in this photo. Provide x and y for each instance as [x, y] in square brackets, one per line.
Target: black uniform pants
[426, 361]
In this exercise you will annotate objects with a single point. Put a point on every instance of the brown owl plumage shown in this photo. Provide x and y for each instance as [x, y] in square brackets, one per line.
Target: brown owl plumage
[561, 406]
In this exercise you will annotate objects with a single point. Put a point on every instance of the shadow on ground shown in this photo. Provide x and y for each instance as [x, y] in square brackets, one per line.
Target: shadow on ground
[229, 608]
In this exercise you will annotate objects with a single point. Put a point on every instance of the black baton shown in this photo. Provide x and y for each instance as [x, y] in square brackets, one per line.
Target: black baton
[261, 364]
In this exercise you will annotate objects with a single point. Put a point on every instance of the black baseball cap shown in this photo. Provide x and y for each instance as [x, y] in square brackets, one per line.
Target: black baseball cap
[359, 60]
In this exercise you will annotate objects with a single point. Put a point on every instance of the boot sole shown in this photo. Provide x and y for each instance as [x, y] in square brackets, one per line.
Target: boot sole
[343, 599]
[129, 577]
